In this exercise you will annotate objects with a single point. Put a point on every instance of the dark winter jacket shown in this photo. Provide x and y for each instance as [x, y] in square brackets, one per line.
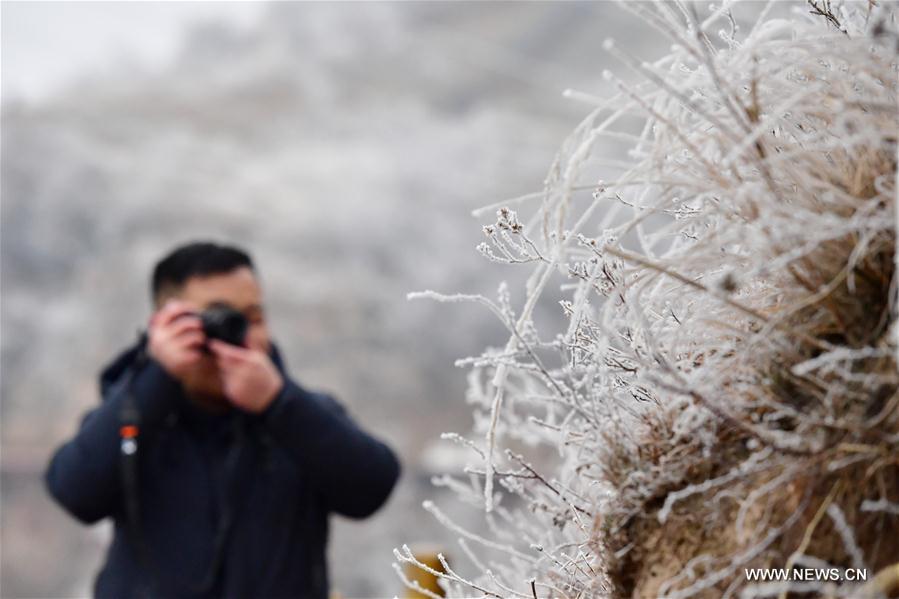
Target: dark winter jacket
[275, 476]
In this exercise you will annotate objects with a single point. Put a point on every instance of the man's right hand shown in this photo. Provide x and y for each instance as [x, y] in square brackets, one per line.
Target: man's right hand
[176, 338]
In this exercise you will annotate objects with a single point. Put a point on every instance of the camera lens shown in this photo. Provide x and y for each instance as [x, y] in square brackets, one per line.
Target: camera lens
[224, 323]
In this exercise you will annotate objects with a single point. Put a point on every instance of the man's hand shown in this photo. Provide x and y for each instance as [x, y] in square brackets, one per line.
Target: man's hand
[250, 379]
[176, 339]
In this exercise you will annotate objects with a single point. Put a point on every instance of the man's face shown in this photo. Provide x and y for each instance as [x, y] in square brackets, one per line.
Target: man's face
[240, 290]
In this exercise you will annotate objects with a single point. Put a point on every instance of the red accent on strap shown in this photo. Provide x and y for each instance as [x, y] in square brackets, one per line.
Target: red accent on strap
[128, 432]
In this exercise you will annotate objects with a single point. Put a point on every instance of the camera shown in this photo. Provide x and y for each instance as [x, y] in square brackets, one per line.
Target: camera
[222, 322]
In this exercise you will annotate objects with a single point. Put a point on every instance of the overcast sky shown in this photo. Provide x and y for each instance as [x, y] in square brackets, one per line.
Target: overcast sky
[46, 45]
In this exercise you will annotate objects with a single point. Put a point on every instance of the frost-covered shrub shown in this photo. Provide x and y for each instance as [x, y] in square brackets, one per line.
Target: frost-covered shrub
[725, 393]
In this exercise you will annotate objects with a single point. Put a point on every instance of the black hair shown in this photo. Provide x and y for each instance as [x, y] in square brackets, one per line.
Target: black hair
[195, 259]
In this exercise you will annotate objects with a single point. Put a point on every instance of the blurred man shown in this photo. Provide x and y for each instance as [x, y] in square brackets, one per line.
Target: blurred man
[218, 470]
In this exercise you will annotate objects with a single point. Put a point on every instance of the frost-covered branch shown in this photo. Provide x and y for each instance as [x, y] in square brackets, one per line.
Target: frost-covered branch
[701, 377]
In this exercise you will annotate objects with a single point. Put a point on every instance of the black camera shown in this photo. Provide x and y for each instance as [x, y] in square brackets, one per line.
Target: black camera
[222, 322]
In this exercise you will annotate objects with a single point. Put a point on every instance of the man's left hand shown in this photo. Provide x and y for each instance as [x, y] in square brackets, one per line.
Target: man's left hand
[250, 379]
